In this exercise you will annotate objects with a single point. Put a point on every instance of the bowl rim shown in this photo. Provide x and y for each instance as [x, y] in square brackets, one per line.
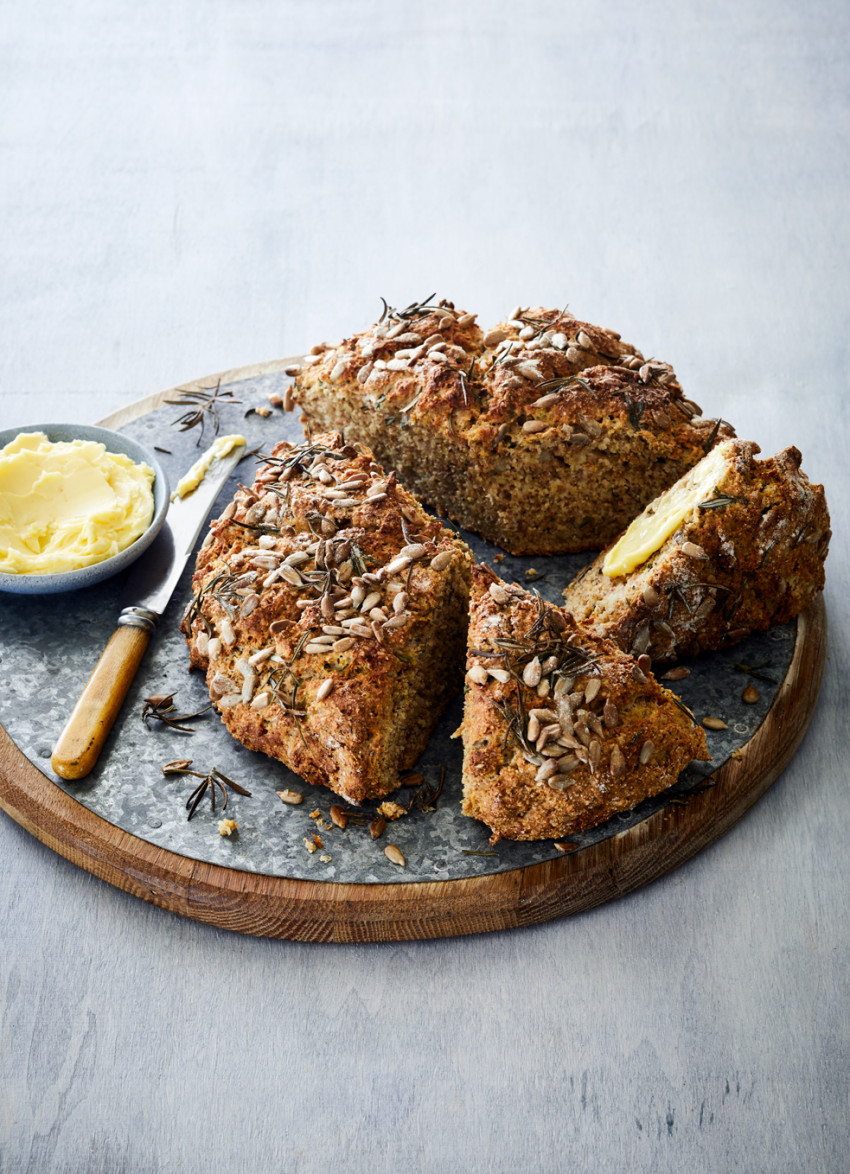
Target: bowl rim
[79, 577]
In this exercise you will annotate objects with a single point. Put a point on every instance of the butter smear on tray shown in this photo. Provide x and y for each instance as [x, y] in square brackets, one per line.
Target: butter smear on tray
[191, 481]
[68, 504]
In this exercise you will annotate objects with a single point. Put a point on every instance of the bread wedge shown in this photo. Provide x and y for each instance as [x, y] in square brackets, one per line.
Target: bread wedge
[329, 616]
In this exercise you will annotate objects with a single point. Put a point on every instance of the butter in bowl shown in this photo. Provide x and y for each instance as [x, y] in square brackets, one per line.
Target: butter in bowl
[78, 503]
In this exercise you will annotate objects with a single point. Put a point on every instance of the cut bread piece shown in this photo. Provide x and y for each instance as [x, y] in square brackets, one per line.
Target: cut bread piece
[330, 616]
[561, 729]
[545, 434]
[735, 546]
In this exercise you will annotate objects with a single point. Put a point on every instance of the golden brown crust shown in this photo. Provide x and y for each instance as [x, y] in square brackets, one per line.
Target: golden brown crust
[329, 616]
[614, 735]
[549, 447]
[752, 559]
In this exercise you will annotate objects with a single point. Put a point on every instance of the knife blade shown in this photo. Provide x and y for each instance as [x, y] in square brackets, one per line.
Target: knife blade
[151, 584]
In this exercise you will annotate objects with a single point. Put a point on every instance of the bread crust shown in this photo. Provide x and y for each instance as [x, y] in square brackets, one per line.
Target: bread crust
[615, 734]
[329, 617]
[753, 560]
[544, 449]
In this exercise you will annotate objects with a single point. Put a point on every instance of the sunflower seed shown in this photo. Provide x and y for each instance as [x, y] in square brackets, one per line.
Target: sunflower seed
[714, 723]
[646, 752]
[415, 550]
[477, 674]
[535, 426]
[500, 675]
[750, 695]
[228, 636]
[560, 782]
[343, 644]
[440, 561]
[466, 319]
[693, 551]
[676, 674]
[327, 686]
[202, 644]
[396, 566]
[610, 714]
[377, 827]
[650, 596]
[249, 605]
[641, 640]
[592, 688]
[339, 817]
[291, 797]
[532, 672]
[394, 854]
[499, 592]
[546, 771]
[229, 700]
[494, 337]
[618, 762]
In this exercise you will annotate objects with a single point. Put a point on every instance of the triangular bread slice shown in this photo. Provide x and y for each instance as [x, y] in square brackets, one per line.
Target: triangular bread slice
[330, 616]
[561, 729]
[734, 546]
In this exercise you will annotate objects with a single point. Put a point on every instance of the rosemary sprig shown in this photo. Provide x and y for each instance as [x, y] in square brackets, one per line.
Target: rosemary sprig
[753, 670]
[721, 500]
[635, 412]
[712, 435]
[212, 782]
[684, 708]
[202, 404]
[561, 381]
[161, 708]
[427, 794]
[411, 313]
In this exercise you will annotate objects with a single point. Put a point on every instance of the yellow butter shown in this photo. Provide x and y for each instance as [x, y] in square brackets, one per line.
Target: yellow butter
[663, 516]
[191, 481]
[68, 504]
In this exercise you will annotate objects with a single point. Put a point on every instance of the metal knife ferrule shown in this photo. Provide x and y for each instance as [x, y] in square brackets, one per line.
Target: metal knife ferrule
[138, 617]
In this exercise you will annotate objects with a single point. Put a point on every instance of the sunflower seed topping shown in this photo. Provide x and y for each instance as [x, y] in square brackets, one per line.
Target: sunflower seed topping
[693, 551]
[646, 752]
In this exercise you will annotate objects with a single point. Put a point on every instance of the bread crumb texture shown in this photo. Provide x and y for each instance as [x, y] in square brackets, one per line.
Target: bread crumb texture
[544, 434]
[561, 729]
[329, 615]
[749, 555]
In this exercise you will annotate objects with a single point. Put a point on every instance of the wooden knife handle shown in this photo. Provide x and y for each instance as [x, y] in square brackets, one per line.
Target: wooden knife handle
[81, 742]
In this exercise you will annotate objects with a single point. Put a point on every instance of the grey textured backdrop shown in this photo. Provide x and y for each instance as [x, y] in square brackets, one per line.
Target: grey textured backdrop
[192, 186]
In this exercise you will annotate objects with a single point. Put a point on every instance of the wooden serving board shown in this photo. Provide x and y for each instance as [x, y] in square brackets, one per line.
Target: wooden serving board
[314, 910]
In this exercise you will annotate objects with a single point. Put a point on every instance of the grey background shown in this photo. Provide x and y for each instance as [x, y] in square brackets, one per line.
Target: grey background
[188, 187]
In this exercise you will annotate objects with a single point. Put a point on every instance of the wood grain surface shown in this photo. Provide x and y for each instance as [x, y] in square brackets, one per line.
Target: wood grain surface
[190, 186]
[278, 907]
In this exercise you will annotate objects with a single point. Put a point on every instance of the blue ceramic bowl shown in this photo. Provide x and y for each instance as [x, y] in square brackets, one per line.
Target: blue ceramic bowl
[86, 576]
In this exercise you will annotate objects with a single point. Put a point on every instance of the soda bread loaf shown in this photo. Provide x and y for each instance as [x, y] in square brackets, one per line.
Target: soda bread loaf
[737, 545]
[544, 434]
[561, 729]
[329, 615]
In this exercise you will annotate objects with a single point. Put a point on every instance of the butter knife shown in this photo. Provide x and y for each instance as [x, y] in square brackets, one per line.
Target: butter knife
[153, 580]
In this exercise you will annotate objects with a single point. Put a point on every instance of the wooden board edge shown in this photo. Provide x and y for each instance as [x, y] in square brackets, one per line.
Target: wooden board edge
[148, 403]
[277, 907]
